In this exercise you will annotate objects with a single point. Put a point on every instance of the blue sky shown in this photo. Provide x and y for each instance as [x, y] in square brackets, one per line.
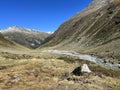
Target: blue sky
[44, 15]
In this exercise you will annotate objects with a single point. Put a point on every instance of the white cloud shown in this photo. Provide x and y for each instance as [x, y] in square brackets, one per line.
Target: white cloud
[50, 32]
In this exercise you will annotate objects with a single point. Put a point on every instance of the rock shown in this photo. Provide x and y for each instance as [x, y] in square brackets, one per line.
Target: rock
[3, 67]
[15, 78]
[77, 71]
[65, 75]
[9, 83]
[35, 72]
[110, 10]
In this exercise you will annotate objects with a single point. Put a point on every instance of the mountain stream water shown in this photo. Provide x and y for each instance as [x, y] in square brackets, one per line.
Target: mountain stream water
[91, 58]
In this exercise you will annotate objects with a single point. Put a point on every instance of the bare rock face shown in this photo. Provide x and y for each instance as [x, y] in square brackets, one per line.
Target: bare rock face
[98, 3]
[25, 37]
[95, 30]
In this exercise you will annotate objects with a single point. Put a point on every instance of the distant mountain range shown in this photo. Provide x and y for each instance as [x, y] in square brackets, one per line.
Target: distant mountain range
[95, 30]
[23, 36]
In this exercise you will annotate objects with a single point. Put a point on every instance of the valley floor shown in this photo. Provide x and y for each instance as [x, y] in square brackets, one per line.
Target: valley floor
[52, 72]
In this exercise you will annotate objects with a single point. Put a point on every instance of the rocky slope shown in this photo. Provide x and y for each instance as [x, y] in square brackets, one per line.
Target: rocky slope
[10, 46]
[95, 30]
[4, 41]
[28, 38]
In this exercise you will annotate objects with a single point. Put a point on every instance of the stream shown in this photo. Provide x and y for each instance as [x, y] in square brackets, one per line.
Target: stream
[91, 58]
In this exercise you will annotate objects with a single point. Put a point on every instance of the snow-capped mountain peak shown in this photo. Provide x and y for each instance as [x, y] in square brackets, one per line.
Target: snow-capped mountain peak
[13, 29]
[27, 37]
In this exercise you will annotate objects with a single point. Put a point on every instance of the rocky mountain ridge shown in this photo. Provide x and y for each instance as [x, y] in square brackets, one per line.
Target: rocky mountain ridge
[23, 36]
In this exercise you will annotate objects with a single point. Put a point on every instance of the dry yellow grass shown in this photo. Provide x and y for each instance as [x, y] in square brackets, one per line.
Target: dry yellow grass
[46, 73]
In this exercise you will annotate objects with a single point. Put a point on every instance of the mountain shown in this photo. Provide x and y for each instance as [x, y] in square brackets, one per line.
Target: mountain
[95, 30]
[10, 46]
[23, 36]
[4, 42]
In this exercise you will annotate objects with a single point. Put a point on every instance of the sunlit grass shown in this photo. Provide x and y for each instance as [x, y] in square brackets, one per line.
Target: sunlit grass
[46, 71]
